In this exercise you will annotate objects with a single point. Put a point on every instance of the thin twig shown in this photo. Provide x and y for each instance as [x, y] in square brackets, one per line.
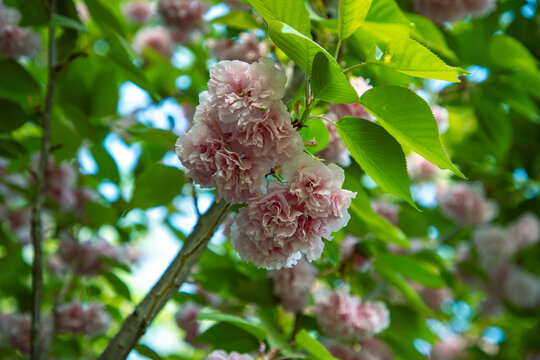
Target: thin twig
[169, 283]
[40, 182]
[336, 54]
[195, 200]
[353, 67]
[450, 234]
[297, 324]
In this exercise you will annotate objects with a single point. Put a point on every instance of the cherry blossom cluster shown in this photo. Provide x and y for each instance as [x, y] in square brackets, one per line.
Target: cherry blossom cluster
[87, 258]
[77, 319]
[466, 204]
[348, 253]
[370, 349]
[247, 47]
[15, 41]
[138, 11]
[182, 19]
[344, 316]
[293, 285]
[15, 332]
[186, 319]
[496, 244]
[276, 228]
[449, 348]
[241, 130]
[441, 11]
[222, 355]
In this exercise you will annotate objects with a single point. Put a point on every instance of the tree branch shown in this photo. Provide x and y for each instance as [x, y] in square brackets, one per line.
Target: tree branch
[169, 283]
[40, 181]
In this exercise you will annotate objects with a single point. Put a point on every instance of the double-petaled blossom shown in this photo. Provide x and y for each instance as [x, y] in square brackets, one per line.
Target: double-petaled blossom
[294, 284]
[441, 11]
[525, 231]
[451, 347]
[387, 210]
[186, 318]
[246, 48]
[222, 355]
[184, 15]
[466, 204]
[521, 288]
[75, 318]
[15, 332]
[15, 41]
[344, 316]
[347, 252]
[493, 244]
[156, 38]
[138, 11]
[242, 130]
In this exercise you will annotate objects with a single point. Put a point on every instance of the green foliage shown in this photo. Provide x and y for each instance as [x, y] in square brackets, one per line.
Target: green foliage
[156, 185]
[409, 120]
[315, 129]
[315, 348]
[290, 12]
[255, 330]
[329, 83]
[379, 155]
[352, 14]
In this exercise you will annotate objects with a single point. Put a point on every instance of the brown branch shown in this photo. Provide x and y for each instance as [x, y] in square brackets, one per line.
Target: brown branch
[40, 181]
[169, 283]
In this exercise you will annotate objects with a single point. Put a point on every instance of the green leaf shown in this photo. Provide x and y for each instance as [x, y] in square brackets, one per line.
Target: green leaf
[378, 153]
[315, 129]
[104, 17]
[147, 352]
[10, 149]
[117, 284]
[386, 11]
[66, 22]
[329, 83]
[12, 116]
[408, 118]
[255, 330]
[508, 53]
[414, 269]
[17, 83]
[409, 57]
[352, 14]
[229, 338]
[395, 279]
[290, 12]
[156, 185]
[430, 35]
[241, 20]
[313, 346]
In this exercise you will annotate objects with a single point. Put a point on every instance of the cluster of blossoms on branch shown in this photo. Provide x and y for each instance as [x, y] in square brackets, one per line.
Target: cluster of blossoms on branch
[466, 204]
[441, 11]
[15, 332]
[15, 41]
[77, 319]
[242, 132]
[182, 23]
[293, 285]
[247, 47]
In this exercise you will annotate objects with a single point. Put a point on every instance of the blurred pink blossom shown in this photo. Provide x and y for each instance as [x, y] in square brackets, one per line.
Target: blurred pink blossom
[222, 355]
[466, 204]
[246, 48]
[157, 38]
[361, 85]
[525, 231]
[186, 318]
[336, 151]
[138, 11]
[450, 348]
[294, 284]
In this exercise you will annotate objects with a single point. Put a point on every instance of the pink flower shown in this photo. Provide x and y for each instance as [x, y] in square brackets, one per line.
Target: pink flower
[435, 297]
[269, 134]
[239, 87]
[387, 210]
[336, 151]
[441, 116]
[421, 169]
[450, 348]
[440, 11]
[86, 258]
[293, 285]
[370, 349]
[157, 38]
[314, 183]
[237, 5]
[75, 319]
[263, 232]
[16, 42]
[467, 204]
[138, 11]
[344, 316]
[246, 48]
[19, 222]
[185, 15]
[8, 15]
[222, 355]
[478, 8]
[97, 320]
[494, 244]
[347, 252]
[15, 332]
[186, 318]
[525, 231]
[355, 109]
[521, 288]
[82, 11]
